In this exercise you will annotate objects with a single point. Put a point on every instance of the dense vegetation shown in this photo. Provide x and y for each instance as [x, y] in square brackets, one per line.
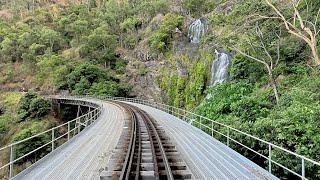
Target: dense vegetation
[87, 48]
[69, 50]
[24, 115]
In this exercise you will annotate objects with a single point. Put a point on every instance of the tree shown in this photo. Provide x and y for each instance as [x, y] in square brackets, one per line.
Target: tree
[304, 29]
[81, 87]
[78, 28]
[50, 38]
[39, 107]
[89, 72]
[269, 61]
[100, 46]
[198, 7]
[31, 144]
[160, 40]
[33, 106]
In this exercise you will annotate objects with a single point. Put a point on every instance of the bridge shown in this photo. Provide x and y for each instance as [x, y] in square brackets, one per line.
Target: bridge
[126, 138]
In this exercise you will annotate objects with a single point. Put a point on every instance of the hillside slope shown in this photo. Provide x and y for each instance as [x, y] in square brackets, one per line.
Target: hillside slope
[231, 60]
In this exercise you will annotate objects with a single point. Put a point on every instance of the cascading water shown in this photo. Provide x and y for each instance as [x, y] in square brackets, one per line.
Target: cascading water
[196, 30]
[220, 68]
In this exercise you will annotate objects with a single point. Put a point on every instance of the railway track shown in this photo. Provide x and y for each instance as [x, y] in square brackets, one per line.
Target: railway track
[144, 151]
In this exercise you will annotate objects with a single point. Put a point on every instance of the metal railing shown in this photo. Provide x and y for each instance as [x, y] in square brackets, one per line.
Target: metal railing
[208, 126]
[203, 123]
[69, 130]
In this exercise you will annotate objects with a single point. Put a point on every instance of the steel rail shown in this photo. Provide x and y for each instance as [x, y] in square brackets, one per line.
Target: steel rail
[184, 114]
[155, 164]
[125, 172]
[126, 169]
[139, 152]
[162, 151]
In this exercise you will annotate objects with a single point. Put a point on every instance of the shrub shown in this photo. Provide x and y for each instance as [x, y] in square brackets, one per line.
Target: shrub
[31, 144]
[249, 108]
[24, 104]
[33, 106]
[199, 7]
[160, 40]
[81, 87]
[109, 89]
[2, 109]
[222, 97]
[89, 72]
[3, 125]
[39, 107]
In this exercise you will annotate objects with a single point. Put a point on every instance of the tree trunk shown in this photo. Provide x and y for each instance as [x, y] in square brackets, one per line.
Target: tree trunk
[275, 90]
[274, 87]
[315, 54]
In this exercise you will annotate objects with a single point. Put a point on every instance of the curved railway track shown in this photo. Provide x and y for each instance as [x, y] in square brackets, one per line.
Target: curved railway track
[144, 151]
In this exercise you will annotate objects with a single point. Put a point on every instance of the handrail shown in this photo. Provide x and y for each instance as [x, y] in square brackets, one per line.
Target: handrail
[185, 115]
[87, 119]
[177, 112]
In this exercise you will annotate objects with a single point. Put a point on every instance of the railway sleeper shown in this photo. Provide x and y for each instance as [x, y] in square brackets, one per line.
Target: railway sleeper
[177, 174]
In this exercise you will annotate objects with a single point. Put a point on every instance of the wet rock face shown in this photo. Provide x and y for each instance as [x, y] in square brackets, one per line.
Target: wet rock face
[197, 30]
[220, 68]
[182, 69]
[144, 84]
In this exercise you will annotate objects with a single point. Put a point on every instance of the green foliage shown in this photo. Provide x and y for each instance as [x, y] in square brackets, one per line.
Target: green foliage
[39, 107]
[88, 78]
[52, 70]
[293, 124]
[33, 106]
[100, 46]
[33, 143]
[24, 104]
[81, 87]
[184, 91]
[120, 66]
[222, 98]
[199, 7]
[130, 24]
[51, 39]
[196, 85]
[161, 39]
[242, 68]
[89, 72]
[109, 89]
[249, 108]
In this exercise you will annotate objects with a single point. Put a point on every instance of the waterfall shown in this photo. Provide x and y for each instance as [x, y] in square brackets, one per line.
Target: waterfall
[196, 30]
[220, 68]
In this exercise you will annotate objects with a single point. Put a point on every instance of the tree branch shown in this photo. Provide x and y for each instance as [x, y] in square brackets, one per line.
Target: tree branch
[253, 58]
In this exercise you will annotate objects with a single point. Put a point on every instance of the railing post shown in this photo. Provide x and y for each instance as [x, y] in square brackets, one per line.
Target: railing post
[270, 154]
[200, 122]
[87, 119]
[11, 162]
[78, 112]
[228, 137]
[68, 130]
[303, 173]
[52, 139]
[93, 116]
[78, 124]
[212, 128]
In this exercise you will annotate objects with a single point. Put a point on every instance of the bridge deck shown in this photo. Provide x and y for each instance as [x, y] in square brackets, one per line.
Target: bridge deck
[83, 156]
[206, 157]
